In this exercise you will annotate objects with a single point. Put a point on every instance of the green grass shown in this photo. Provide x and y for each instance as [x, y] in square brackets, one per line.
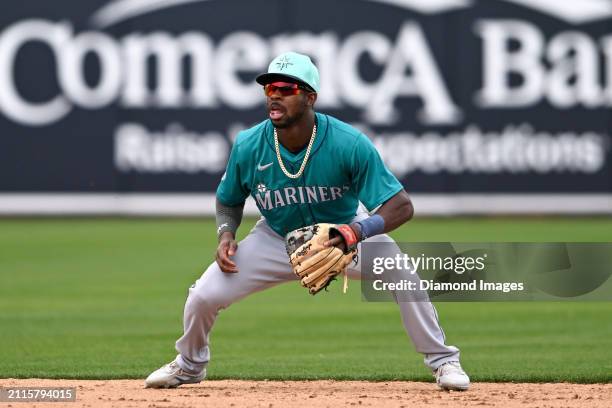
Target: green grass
[103, 298]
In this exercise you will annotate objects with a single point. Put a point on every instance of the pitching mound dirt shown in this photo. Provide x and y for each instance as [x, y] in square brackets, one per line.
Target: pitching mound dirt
[130, 393]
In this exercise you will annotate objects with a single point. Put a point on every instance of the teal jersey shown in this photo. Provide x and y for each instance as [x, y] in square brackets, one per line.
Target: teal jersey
[343, 169]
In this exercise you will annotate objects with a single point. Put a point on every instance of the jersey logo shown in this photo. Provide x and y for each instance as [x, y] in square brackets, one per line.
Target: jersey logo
[267, 199]
[262, 168]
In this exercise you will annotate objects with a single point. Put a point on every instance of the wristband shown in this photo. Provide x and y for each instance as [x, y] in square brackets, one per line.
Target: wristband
[371, 226]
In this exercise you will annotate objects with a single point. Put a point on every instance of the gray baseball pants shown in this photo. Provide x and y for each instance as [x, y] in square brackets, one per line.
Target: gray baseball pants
[262, 262]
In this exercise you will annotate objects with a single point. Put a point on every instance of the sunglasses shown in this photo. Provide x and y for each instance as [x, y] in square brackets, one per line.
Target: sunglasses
[284, 88]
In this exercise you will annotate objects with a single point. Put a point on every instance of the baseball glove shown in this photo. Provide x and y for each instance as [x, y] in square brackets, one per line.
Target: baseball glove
[315, 264]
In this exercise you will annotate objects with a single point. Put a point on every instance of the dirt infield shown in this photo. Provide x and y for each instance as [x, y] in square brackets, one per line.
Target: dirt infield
[130, 393]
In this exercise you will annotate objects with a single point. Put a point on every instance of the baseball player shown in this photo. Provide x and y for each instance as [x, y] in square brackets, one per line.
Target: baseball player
[301, 168]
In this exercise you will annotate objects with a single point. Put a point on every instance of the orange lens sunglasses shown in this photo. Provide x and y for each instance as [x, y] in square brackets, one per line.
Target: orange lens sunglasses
[284, 88]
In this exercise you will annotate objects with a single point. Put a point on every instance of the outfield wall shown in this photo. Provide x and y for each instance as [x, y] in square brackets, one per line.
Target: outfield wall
[155, 204]
[477, 106]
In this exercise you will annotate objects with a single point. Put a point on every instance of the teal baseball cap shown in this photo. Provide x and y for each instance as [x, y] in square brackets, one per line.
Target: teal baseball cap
[292, 66]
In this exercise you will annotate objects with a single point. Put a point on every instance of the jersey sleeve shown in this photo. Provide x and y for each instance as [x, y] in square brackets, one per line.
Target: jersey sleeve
[370, 178]
[231, 190]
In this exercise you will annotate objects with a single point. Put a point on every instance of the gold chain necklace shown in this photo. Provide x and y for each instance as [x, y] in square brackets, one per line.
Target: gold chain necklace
[303, 166]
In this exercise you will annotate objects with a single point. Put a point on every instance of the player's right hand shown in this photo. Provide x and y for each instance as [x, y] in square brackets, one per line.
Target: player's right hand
[227, 248]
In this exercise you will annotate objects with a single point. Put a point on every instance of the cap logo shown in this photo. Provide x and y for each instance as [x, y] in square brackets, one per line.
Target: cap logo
[283, 63]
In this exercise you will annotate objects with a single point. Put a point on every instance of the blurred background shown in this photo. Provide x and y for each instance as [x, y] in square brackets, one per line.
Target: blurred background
[478, 107]
[115, 114]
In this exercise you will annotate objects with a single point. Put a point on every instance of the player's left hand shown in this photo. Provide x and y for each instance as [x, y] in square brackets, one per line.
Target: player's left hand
[339, 241]
[315, 259]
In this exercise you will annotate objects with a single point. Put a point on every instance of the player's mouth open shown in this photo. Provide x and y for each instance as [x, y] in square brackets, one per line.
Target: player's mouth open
[276, 114]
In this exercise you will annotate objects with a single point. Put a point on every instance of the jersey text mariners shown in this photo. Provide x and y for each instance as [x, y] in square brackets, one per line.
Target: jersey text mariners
[343, 169]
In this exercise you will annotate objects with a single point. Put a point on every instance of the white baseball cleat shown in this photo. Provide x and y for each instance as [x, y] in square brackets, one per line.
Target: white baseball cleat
[450, 376]
[171, 376]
